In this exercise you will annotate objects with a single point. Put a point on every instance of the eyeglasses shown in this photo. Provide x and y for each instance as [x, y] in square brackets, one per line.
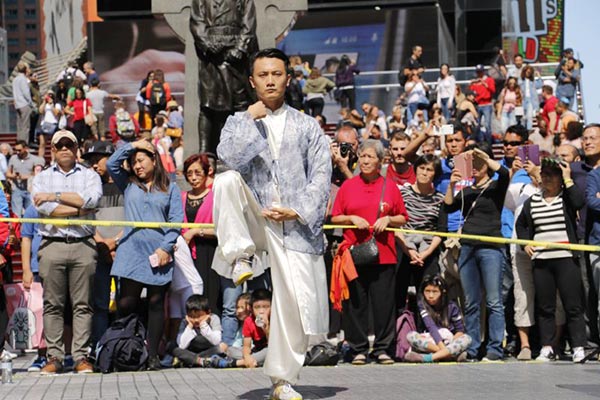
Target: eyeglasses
[61, 145]
[513, 143]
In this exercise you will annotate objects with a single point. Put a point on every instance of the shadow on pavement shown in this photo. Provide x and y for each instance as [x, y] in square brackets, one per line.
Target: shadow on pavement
[308, 392]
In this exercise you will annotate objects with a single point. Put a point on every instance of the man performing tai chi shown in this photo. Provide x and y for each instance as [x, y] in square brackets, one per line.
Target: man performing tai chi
[273, 200]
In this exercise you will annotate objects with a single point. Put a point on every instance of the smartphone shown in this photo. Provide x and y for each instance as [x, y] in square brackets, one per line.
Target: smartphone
[464, 164]
[154, 263]
[530, 152]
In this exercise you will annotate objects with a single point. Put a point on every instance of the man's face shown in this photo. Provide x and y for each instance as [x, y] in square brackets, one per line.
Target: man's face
[455, 144]
[511, 142]
[269, 79]
[397, 148]
[365, 107]
[518, 61]
[418, 51]
[570, 63]
[591, 142]
[567, 153]
[64, 151]
[348, 137]
[98, 163]
[21, 151]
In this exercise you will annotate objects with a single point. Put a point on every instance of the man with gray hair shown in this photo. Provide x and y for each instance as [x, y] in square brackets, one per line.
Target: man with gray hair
[23, 101]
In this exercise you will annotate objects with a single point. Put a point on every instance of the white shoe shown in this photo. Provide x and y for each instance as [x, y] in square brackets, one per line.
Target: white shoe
[578, 355]
[284, 391]
[11, 355]
[242, 271]
[546, 355]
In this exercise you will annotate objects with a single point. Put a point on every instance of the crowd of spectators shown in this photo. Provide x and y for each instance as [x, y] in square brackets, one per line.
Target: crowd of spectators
[429, 166]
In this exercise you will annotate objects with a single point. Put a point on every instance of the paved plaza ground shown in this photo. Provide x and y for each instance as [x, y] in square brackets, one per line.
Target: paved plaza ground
[488, 381]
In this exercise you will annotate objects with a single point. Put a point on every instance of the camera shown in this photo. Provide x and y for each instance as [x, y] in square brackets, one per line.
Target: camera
[345, 149]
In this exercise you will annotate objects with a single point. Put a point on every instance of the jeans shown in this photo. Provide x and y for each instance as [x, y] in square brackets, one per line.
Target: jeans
[20, 200]
[479, 264]
[229, 321]
[445, 108]
[485, 111]
[508, 119]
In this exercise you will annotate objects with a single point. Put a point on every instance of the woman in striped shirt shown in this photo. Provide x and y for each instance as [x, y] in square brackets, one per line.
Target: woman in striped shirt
[550, 216]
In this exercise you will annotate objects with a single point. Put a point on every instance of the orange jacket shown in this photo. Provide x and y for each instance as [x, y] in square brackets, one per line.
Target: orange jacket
[342, 273]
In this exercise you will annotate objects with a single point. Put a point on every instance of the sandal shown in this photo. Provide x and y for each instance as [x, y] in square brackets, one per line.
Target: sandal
[384, 359]
[359, 359]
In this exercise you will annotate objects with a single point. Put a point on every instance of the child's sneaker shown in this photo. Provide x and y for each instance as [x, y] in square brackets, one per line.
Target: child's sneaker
[37, 364]
[546, 354]
[578, 355]
[217, 361]
[6, 352]
[242, 271]
[284, 391]
[167, 361]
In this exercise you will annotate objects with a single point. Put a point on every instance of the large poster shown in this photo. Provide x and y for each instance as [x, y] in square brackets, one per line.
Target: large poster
[64, 26]
[533, 28]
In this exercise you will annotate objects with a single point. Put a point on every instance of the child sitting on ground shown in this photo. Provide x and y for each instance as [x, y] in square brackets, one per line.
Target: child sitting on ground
[256, 329]
[242, 311]
[445, 338]
[199, 334]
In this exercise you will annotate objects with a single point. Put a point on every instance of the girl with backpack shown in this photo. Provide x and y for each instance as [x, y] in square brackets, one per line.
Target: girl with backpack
[158, 93]
[445, 337]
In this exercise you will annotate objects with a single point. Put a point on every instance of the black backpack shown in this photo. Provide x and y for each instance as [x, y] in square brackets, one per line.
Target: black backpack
[322, 354]
[158, 97]
[123, 346]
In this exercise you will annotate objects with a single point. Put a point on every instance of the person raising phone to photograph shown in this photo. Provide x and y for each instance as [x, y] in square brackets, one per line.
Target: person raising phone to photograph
[481, 205]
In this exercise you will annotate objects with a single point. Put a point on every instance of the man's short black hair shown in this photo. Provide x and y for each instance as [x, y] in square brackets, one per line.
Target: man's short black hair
[519, 130]
[22, 143]
[95, 82]
[458, 127]
[196, 302]
[269, 53]
[260, 294]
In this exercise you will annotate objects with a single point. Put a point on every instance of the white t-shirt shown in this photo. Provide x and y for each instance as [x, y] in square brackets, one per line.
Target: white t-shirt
[417, 94]
[97, 97]
[49, 115]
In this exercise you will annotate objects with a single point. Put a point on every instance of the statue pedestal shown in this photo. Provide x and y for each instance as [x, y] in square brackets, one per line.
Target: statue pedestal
[273, 18]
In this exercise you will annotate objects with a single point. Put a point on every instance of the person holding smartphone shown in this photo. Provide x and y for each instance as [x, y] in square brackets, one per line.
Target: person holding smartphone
[144, 257]
[481, 205]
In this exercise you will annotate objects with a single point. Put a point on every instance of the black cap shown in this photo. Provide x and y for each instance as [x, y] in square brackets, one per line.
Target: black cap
[102, 148]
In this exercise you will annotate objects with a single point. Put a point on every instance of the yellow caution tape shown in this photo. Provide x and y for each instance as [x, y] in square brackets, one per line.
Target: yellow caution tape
[189, 225]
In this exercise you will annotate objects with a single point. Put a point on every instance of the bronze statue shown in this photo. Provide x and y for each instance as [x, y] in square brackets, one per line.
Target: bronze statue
[224, 33]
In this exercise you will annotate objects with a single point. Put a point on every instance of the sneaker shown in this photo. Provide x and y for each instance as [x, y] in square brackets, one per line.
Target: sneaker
[37, 364]
[284, 391]
[83, 366]
[242, 271]
[217, 361]
[52, 367]
[546, 354]
[413, 357]
[471, 358]
[167, 361]
[68, 362]
[153, 364]
[8, 353]
[491, 357]
[462, 357]
[578, 355]
[524, 354]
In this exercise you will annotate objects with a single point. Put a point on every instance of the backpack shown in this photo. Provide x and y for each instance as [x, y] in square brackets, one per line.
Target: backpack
[21, 326]
[158, 97]
[404, 324]
[125, 125]
[123, 346]
[322, 354]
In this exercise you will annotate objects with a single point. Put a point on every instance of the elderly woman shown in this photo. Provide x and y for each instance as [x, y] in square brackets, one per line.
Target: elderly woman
[373, 204]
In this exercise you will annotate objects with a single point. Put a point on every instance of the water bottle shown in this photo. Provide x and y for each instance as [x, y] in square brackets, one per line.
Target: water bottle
[7, 369]
[259, 321]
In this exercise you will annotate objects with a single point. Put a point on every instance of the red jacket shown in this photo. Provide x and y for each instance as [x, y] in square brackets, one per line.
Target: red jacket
[483, 94]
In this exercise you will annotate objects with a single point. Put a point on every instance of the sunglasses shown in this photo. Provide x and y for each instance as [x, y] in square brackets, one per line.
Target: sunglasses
[513, 143]
[61, 145]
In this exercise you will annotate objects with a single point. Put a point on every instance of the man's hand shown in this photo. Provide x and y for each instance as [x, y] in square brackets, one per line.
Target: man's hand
[257, 110]
[163, 257]
[41, 198]
[336, 156]
[280, 214]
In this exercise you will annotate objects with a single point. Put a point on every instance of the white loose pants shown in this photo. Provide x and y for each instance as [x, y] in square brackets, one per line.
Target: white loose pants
[299, 305]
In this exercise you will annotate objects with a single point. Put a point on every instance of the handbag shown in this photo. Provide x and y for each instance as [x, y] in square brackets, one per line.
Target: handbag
[174, 132]
[90, 118]
[367, 253]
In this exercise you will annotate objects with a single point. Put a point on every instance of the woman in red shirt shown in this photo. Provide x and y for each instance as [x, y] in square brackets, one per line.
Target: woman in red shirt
[78, 108]
[158, 93]
[359, 203]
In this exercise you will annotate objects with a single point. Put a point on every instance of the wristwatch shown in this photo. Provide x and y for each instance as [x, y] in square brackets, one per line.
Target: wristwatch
[57, 195]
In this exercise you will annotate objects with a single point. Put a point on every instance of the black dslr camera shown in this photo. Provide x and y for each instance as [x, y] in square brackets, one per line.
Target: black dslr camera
[345, 149]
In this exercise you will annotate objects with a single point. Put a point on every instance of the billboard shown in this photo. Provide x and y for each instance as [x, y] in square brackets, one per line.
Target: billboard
[533, 28]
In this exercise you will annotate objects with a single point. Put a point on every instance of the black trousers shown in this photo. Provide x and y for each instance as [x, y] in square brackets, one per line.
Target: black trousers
[374, 287]
[564, 274]
[315, 106]
[413, 274]
[198, 347]
[347, 98]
